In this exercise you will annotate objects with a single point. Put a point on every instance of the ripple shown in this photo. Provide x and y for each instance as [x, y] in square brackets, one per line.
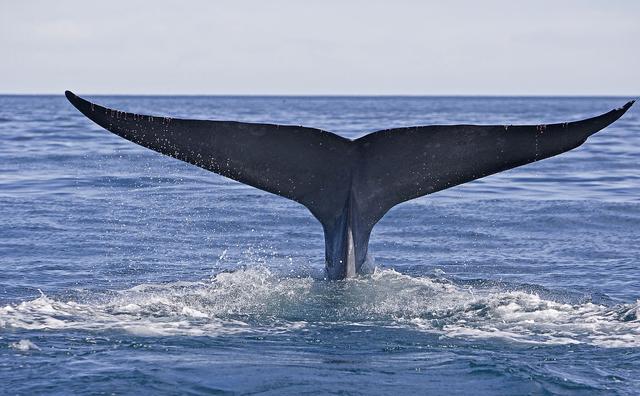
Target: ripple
[255, 301]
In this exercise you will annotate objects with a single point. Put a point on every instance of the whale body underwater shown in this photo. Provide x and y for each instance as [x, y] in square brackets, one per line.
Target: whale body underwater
[347, 185]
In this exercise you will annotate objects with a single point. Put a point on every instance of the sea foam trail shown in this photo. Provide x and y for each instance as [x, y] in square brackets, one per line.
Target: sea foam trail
[255, 300]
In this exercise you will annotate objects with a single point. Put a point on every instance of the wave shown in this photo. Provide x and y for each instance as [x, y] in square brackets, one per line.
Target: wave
[256, 300]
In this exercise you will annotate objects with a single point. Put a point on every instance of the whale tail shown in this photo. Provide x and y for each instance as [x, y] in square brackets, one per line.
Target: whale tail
[321, 170]
[307, 165]
[405, 163]
[347, 184]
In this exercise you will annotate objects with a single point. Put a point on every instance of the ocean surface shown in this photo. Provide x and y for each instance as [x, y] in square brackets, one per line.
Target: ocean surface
[123, 271]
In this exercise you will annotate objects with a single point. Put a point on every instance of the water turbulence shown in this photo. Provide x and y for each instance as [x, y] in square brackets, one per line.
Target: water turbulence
[257, 301]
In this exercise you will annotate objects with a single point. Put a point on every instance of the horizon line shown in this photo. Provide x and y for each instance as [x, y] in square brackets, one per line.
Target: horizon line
[354, 95]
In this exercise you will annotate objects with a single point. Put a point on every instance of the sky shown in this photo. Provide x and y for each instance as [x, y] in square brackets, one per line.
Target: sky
[348, 47]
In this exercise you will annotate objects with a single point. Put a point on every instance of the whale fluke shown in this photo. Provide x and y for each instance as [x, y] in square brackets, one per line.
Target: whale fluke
[295, 162]
[348, 185]
[405, 163]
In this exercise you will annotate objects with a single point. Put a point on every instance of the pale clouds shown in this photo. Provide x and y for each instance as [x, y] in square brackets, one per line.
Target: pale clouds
[321, 47]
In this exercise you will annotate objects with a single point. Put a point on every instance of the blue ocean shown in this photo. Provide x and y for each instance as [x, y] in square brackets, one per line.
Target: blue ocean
[127, 272]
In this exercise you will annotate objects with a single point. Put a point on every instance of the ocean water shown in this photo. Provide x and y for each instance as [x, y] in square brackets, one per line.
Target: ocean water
[123, 271]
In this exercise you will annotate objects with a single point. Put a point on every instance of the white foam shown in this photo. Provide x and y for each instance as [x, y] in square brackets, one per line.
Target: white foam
[257, 301]
[24, 345]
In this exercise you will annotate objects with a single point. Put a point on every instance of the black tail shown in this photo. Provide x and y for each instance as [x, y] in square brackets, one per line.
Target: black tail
[307, 165]
[347, 185]
[397, 165]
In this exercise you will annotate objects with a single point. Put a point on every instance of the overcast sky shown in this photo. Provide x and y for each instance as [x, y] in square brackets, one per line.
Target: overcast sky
[321, 47]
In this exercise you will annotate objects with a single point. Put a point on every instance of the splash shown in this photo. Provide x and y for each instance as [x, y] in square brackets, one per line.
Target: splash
[24, 346]
[255, 300]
